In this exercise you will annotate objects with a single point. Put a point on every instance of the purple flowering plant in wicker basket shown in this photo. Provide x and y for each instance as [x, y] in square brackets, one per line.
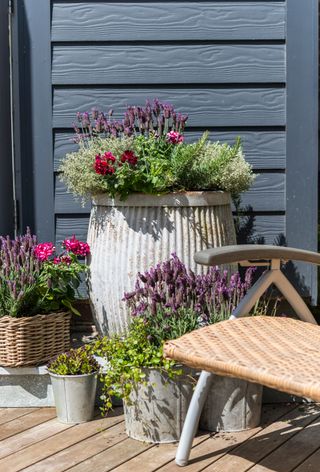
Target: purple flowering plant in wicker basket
[34, 279]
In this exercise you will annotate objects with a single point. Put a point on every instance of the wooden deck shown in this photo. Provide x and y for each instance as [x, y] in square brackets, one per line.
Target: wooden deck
[32, 440]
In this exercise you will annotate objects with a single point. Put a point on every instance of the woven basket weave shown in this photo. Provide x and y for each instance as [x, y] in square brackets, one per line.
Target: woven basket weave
[33, 340]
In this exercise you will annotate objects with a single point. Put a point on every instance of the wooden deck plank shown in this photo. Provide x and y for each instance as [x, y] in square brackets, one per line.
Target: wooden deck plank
[27, 421]
[70, 457]
[9, 414]
[215, 447]
[271, 438]
[156, 456]
[41, 450]
[111, 458]
[311, 464]
[31, 436]
[293, 452]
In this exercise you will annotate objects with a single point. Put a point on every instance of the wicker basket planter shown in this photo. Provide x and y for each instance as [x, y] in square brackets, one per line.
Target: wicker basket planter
[33, 340]
[130, 236]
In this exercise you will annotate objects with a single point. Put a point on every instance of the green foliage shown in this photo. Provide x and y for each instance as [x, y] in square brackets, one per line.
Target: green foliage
[161, 167]
[74, 362]
[127, 357]
[57, 285]
[212, 166]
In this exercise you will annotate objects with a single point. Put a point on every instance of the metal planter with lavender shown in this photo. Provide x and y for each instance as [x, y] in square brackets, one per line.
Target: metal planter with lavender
[172, 300]
[127, 237]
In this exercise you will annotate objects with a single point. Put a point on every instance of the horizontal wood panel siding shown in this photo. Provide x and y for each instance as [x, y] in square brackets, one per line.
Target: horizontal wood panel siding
[133, 21]
[268, 228]
[263, 149]
[222, 62]
[230, 107]
[149, 64]
[267, 194]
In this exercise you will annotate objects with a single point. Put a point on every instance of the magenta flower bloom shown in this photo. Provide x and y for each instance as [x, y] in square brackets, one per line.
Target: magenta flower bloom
[174, 137]
[43, 251]
[76, 247]
[66, 259]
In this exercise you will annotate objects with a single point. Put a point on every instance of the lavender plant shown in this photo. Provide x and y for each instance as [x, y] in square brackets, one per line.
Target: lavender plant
[156, 119]
[172, 300]
[19, 271]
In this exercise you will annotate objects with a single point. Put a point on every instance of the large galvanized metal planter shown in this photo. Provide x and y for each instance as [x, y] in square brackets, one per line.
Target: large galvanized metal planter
[132, 235]
[158, 407]
[232, 405]
[74, 397]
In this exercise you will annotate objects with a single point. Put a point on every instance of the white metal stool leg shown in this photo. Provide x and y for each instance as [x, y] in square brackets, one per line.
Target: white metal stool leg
[192, 419]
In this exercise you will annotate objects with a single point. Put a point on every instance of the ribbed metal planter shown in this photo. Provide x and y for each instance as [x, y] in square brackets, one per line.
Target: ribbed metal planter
[158, 408]
[132, 235]
[232, 405]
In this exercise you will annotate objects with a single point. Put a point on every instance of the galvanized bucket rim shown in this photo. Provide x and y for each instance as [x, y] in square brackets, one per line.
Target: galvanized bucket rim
[70, 376]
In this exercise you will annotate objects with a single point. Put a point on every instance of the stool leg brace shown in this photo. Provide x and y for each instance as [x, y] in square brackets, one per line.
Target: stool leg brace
[269, 277]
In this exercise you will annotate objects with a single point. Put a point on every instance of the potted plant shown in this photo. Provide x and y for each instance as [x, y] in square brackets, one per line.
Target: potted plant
[168, 301]
[74, 383]
[37, 290]
[152, 194]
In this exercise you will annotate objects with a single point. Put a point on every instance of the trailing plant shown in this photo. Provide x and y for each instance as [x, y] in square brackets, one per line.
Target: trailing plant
[35, 279]
[74, 362]
[146, 152]
[127, 357]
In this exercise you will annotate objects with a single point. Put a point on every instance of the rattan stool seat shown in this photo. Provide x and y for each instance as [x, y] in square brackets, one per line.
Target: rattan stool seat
[277, 352]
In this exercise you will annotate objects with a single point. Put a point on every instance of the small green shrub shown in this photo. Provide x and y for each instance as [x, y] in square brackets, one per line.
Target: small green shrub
[74, 362]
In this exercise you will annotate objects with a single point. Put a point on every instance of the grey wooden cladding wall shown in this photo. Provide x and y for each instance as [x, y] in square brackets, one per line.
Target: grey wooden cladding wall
[219, 107]
[132, 21]
[170, 64]
[222, 62]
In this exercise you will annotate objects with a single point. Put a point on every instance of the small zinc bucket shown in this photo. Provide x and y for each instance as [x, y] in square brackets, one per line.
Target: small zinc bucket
[74, 397]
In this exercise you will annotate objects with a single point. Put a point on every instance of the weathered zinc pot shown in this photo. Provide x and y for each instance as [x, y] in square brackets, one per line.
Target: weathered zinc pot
[130, 236]
[232, 405]
[158, 407]
[74, 397]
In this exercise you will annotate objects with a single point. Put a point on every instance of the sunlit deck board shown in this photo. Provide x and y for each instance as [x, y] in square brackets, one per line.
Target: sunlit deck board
[288, 440]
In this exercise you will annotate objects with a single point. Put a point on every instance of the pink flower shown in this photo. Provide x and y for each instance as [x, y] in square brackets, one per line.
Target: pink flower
[56, 260]
[44, 251]
[76, 247]
[66, 260]
[174, 137]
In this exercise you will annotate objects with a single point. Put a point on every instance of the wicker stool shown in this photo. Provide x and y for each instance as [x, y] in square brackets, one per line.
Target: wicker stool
[280, 352]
